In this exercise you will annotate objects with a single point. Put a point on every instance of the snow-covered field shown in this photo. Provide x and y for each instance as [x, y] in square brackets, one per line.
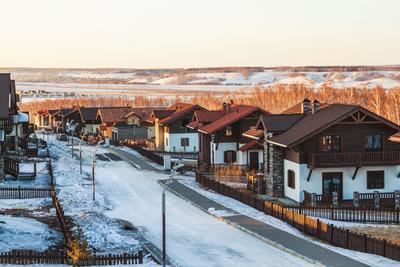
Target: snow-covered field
[194, 238]
[25, 233]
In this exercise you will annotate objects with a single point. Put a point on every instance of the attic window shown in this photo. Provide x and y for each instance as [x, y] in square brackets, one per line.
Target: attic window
[228, 131]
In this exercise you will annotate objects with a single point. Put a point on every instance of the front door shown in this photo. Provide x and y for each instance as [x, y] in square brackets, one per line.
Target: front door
[332, 182]
[253, 160]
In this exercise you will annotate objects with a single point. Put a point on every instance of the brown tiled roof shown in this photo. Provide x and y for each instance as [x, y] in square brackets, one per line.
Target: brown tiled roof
[113, 115]
[88, 113]
[42, 112]
[179, 113]
[274, 123]
[143, 113]
[253, 144]
[204, 116]
[296, 109]
[237, 112]
[180, 105]
[52, 111]
[160, 114]
[312, 123]
[254, 133]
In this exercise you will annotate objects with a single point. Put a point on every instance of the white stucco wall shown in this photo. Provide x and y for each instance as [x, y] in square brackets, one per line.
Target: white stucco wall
[349, 185]
[219, 153]
[151, 133]
[174, 142]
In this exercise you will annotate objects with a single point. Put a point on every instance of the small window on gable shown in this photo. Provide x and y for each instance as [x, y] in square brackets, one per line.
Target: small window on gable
[184, 142]
[230, 156]
[375, 179]
[228, 131]
[291, 179]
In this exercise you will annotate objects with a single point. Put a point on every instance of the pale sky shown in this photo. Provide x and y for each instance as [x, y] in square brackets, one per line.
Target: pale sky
[198, 33]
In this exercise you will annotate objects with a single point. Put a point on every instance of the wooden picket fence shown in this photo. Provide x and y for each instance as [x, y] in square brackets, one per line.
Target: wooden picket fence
[330, 233]
[23, 192]
[24, 257]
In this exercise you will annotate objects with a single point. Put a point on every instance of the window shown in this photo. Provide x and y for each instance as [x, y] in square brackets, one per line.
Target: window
[184, 122]
[184, 141]
[375, 179]
[373, 142]
[166, 141]
[291, 179]
[330, 143]
[230, 156]
[228, 131]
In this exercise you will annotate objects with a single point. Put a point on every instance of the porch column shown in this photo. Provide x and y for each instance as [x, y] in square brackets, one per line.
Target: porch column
[376, 199]
[397, 199]
[356, 200]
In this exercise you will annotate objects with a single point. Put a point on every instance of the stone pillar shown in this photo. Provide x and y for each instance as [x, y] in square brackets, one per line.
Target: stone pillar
[274, 176]
[376, 199]
[397, 199]
[356, 200]
[313, 199]
[335, 199]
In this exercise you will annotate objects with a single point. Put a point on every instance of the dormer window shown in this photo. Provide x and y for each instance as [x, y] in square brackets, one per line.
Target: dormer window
[228, 131]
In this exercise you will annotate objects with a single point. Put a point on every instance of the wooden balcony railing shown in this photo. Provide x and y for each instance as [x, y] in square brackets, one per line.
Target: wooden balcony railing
[353, 159]
[6, 124]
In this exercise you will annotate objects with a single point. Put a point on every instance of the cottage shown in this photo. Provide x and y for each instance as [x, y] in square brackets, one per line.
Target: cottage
[330, 148]
[172, 135]
[88, 120]
[221, 136]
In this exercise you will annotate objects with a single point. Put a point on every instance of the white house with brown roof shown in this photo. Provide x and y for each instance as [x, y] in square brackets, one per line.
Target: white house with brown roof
[221, 136]
[331, 149]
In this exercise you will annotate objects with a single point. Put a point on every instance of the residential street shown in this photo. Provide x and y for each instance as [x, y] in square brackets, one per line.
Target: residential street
[194, 238]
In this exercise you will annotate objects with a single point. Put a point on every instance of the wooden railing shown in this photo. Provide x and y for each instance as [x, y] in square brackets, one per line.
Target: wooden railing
[11, 166]
[6, 124]
[352, 159]
[23, 192]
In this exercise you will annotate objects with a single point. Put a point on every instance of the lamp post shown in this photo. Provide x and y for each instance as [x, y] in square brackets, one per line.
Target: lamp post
[93, 159]
[174, 169]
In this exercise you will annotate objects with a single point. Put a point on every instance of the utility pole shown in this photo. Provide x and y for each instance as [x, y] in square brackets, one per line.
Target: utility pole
[80, 158]
[72, 145]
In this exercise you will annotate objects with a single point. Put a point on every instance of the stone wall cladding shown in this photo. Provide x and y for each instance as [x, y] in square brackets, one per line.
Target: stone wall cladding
[274, 176]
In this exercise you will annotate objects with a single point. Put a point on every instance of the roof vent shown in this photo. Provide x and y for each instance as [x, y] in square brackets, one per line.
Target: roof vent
[315, 106]
[305, 106]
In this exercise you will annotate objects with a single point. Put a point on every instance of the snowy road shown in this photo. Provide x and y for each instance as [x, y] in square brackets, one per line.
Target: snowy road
[194, 238]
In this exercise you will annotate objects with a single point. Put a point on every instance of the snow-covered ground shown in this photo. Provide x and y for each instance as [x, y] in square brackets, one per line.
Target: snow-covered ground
[25, 233]
[373, 260]
[194, 238]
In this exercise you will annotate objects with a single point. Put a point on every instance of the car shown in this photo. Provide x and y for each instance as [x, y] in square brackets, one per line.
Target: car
[62, 137]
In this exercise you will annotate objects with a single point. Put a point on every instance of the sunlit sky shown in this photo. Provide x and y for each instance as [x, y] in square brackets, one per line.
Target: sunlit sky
[198, 33]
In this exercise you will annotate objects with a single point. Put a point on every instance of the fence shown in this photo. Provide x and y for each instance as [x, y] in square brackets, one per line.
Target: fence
[148, 154]
[23, 192]
[311, 226]
[24, 257]
[33, 257]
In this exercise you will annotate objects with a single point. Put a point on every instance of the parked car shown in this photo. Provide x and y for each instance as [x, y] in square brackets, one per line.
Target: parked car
[62, 137]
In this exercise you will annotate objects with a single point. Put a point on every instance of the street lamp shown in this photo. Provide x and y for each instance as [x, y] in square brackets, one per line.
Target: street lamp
[174, 170]
[93, 158]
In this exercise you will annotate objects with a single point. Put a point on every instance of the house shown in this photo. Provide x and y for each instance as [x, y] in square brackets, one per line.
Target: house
[88, 120]
[124, 123]
[11, 120]
[221, 136]
[172, 135]
[43, 119]
[329, 149]
[61, 117]
[155, 117]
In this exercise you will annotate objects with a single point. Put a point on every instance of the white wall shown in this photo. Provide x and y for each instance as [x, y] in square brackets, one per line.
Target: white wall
[174, 140]
[219, 153]
[90, 128]
[151, 133]
[349, 186]
[242, 156]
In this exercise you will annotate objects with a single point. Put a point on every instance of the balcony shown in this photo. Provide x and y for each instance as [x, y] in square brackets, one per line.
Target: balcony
[353, 159]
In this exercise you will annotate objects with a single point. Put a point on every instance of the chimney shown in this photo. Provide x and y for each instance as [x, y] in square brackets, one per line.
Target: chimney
[315, 105]
[306, 106]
